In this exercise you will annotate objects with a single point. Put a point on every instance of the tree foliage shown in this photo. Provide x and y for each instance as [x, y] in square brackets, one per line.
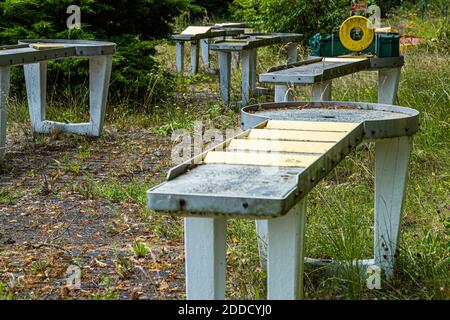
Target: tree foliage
[132, 24]
[301, 16]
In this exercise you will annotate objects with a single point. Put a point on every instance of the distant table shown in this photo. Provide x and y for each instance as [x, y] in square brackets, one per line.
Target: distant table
[320, 72]
[200, 42]
[34, 56]
[247, 46]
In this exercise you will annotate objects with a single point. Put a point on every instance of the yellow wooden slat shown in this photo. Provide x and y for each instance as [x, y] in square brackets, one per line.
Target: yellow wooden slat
[311, 125]
[196, 30]
[280, 146]
[259, 159]
[46, 46]
[264, 134]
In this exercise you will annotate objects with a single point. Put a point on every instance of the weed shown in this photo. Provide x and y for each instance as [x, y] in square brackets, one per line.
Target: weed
[140, 249]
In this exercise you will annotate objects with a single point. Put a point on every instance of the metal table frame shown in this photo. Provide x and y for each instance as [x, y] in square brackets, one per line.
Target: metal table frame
[35, 66]
[247, 45]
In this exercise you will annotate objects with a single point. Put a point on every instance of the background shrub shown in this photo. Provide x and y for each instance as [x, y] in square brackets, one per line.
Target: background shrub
[301, 16]
[132, 24]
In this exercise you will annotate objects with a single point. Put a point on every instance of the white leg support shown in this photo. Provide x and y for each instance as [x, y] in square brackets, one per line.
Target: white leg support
[282, 93]
[99, 78]
[247, 75]
[204, 46]
[391, 172]
[321, 91]
[234, 60]
[180, 57]
[253, 72]
[292, 53]
[194, 57]
[36, 79]
[262, 231]
[4, 93]
[205, 247]
[388, 81]
[225, 75]
[285, 258]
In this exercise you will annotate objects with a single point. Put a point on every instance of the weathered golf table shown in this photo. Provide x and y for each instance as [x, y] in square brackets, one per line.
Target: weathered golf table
[320, 72]
[247, 45]
[34, 56]
[199, 38]
[266, 172]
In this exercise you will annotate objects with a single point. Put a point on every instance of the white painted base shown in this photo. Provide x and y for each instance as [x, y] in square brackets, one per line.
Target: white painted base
[388, 81]
[225, 75]
[204, 48]
[247, 75]
[180, 57]
[4, 94]
[391, 173]
[99, 78]
[283, 93]
[321, 91]
[235, 59]
[292, 52]
[285, 254]
[205, 247]
[262, 232]
[194, 57]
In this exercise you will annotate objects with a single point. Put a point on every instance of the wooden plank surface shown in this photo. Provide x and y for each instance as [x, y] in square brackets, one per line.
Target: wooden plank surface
[259, 159]
[192, 30]
[315, 136]
[312, 125]
[280, 146]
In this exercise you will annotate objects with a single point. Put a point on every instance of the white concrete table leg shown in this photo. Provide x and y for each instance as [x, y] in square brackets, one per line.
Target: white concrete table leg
[235, 60]
[204, 46]
[99, 78]
[322, 91]
[4, 93]
[36, 79]
[225, 75]
[391, 172]
[286, 255]
[282, 93]
[292, 53]
[247, 77]
[253, 70]
[180, 57]
[205, 247]
[262, 231]
[194, 57]
[388, 81]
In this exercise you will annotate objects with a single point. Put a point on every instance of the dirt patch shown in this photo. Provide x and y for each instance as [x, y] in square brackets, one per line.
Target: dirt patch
[52, 217]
